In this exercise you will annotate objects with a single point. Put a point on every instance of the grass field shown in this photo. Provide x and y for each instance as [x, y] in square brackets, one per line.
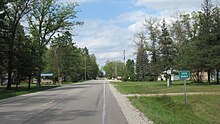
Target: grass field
[201, 109]
[160, 87]
[23, 89]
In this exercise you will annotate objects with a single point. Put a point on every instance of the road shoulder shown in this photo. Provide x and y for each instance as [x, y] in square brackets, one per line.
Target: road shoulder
[132, 115]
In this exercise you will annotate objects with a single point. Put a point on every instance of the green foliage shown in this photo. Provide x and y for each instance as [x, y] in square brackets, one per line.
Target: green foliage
[47, 19]
[142, 61]
[167, 49]
[129, 71]
[49, 23]
[152, 25]
[13, 15]
[114, 69]
[190, 42]
[65, 60]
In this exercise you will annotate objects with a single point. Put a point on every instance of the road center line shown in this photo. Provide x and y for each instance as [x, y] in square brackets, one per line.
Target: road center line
[103, 107]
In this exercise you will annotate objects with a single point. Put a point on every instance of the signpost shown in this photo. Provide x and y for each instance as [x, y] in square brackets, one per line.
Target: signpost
[183, 75]
[169, 80]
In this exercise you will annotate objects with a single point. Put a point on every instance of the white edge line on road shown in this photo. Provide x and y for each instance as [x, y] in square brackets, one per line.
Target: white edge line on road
[103, 107]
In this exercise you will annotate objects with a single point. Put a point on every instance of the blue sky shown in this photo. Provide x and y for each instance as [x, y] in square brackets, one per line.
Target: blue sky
[111, 24]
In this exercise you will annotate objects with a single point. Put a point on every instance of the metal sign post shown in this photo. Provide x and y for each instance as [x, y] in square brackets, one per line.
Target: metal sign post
[185, 98]
[184, 75]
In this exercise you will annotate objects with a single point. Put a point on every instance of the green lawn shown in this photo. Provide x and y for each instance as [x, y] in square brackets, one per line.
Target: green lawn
[160, 87]
[201, 109]
[23, 89]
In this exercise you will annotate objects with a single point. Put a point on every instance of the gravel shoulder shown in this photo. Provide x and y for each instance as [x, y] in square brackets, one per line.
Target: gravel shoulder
[132, 115]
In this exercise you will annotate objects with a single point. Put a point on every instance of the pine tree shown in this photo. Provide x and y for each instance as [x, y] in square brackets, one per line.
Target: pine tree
[142, 58]
[206, 36]
[167, 50]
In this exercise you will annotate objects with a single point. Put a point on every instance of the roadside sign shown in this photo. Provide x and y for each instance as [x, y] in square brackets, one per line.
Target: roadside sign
[184, 74]
[169, 72]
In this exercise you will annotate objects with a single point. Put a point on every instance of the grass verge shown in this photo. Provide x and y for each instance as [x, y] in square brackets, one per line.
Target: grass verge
[160, 87]
[23, 89]
[201, 109]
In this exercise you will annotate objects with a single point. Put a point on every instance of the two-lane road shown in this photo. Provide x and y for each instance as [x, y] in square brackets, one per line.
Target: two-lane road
[87, 103]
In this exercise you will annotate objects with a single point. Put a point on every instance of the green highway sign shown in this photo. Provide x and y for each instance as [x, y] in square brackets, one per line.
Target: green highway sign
[184, 74]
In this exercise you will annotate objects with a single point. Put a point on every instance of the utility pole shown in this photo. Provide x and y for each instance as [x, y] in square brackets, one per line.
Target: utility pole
[125, 68]
[54, 67]
[124, 57]
[116, 70]
[85, 67]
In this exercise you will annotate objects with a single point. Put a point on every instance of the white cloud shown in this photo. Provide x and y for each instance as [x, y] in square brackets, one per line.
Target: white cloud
[169, 4]
[105, 39]
[78, 1]
[108, 38]
[167, 7]
[131, 16]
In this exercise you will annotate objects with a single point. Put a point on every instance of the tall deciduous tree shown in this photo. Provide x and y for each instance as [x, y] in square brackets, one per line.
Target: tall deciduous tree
[152, 27]
[114, 69]
[14, 11]
[63, 58]
[2, 40]
[48, 18]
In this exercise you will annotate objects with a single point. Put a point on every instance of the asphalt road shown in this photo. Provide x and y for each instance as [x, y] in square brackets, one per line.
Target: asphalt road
[88, 103]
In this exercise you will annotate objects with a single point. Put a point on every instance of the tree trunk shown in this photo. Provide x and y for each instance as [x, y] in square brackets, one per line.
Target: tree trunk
[171, 83]
[29, 82]
[209, 74]
[10, 68]
[10, 58]
[39, 79]
[197, 76]
[1, 77]
[217, 76]
[155, 75]
[17, 80]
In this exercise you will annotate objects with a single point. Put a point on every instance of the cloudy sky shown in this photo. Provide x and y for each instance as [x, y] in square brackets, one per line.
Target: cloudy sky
[110, 24]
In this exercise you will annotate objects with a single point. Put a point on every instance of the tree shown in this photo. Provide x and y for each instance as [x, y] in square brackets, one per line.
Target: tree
[93, 67]
[64, 59]
[2, 40]
[152, 27]
[26, 60]
[130, 71]
[216, 47]
[142, 58]
[14, 12]
[114, 69]
[166, 50]
[205, 36]
[47, 19]
[184, 30]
